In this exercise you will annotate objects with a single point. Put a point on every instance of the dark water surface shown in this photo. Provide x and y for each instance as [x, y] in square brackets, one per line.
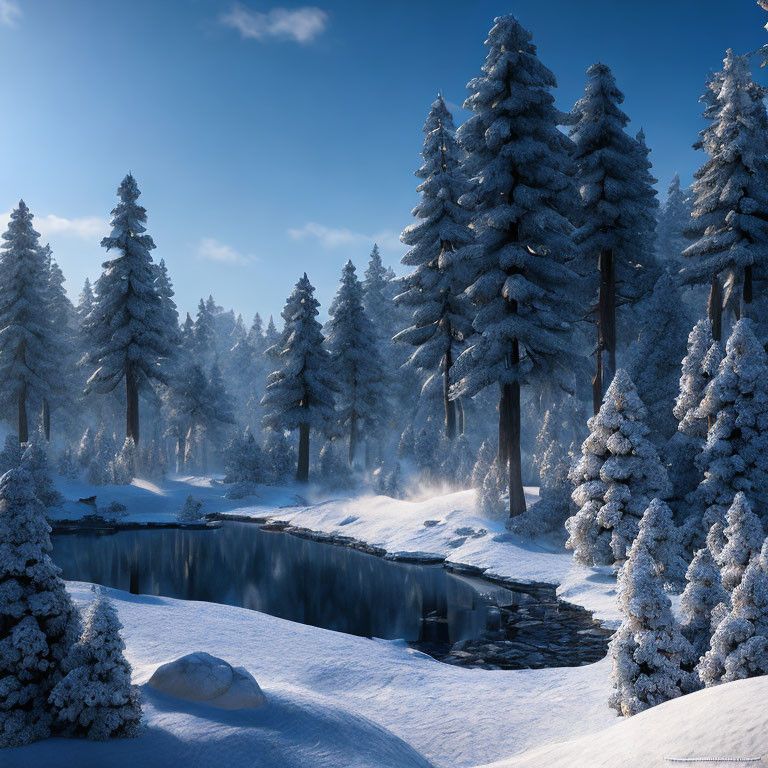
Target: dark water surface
[298, 579]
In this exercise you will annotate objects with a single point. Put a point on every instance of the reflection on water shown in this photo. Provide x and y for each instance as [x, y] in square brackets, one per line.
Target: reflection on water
[297, 579]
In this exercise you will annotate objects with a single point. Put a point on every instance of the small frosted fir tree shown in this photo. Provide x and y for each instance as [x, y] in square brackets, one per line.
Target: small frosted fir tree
[244, 460]
[743, 539]
[703, 593]
[86, 449]
[485, 458]
[36, 461]
[300, 393]
[617, 476]
[280, 457]
[38, 624]
[553, 462]
[739, 646]
[662, 539]
[648, 650]
[674, 220]
[191, 512]
[96, 699]
[333, 466]
[126, 331]
[124, 464]
[735, 455]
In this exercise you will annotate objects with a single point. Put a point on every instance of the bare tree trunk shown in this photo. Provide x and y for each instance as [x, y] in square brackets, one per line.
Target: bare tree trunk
[606, 319]
[715, 308]
[23, 424]
[746, 294]
[302, 470]
[131, 406]
[46, 419]
[597, 381]
[450, 408]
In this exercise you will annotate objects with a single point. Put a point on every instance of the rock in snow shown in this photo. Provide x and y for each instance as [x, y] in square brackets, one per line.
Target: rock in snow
[204, 678]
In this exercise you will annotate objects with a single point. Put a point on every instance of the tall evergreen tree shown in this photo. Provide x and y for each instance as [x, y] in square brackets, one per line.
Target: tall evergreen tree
[355, 361]
[126, 326]
[85, 301]
[204, 333]
[164, 289]
[378, 305]
[30, 358]
[516, 269]
[615, 227]
[730, 216]
[439, 321]
[300, 393]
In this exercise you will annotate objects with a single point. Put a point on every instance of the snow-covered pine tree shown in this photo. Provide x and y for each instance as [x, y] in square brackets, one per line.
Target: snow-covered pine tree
[693, 381]
[64, 322]
[30, 358]
[517, 267]
[440, 318]
[648, 649]
[244, 460]
[222, 409]
[204, 333]
[703, 593]
[333, 466]
[35, 459]
[170, 318]
[739, 646]
[617, 476]
[300, 393]
[85, 301]
[653, 359]
[615, 236]
[187, 336]
[126, 325]
[730, 215]
[716, 539]
[38, 623]
[674, 220]
[735, 455]
[355, 363]
[663, 542]
[10, 456]
[190, 511]
[744, 538]
[485, 458]
[378, 305]
[96, 699]
[124, 464]
[280, 457]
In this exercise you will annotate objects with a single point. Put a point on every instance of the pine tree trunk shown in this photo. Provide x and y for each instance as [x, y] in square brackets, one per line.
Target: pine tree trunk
[352, 439]
[23, 424]
[302, 470]
[511, 394]
[715, 308]
[746, 294]
[131, 406]
[450, 409]
[606, 317]
[181, 448]
[597, 381]
[46, 419]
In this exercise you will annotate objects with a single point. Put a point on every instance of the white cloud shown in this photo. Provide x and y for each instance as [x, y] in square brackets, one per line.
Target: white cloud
[301, 25]
[10, 13]
[211, 249]
[339, 237]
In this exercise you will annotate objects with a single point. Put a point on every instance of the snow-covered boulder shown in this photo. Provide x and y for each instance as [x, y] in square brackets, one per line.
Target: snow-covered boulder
[204, 678]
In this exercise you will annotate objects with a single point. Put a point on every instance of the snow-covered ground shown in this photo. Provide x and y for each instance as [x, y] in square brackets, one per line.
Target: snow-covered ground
[452, 530]
[333, 700]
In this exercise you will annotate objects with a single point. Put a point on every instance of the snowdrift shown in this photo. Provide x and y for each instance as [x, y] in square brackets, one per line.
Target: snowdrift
[727, 721]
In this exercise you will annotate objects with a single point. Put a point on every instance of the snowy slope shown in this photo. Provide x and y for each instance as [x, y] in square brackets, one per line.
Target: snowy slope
[727, 721]
[334, 700]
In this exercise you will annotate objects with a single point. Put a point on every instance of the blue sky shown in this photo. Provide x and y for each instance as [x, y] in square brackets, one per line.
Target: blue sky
[271, 139]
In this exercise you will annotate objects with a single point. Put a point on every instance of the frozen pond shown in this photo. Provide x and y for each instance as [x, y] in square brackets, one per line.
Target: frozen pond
[298, 579]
